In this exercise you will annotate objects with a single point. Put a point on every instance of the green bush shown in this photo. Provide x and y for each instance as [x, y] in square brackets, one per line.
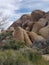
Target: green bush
[13, 44]
[27, 57]
[10, 57]
[34, 56]
[4, 35]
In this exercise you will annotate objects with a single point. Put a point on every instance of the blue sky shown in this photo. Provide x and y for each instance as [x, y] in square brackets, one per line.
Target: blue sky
[15, 8]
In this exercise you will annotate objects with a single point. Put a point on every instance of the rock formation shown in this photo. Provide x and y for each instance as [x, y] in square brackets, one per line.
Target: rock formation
[31, 27]
[18, 34]
[40, 24]
[33, 36]
[44, 32]
[37, 14]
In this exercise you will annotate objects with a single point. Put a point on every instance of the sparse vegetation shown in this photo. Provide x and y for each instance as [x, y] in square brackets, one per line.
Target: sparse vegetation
[13, 44]
[4, 35]
[25, 57]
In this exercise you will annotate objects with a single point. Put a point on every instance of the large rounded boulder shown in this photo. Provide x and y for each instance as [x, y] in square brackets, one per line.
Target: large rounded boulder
[33, 36]
[37, 14]
[21, 35]
[25, 17]
[18, 34]
[40, 24]
[46, 16]
[27, 39]
[44, 32]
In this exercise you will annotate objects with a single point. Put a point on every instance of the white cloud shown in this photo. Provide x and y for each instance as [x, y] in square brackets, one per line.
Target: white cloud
[8, 5]
[45, 0]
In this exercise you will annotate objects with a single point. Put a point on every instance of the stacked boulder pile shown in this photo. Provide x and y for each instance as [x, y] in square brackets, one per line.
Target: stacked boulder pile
[31, 27]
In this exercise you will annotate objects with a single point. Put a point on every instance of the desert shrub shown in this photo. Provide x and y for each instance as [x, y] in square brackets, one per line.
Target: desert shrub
[31, 54]
[10, 57]
[21, 60]
[34, 56]
[8, 33]
[13, 44]
[4, 35]
[25, 57]
[2, 58]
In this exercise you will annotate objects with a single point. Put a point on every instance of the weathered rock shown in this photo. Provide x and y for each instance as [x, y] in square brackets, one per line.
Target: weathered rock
[25, 17]
[25, 24]
[38, 25]
[46, 16]
[44, 32]
[18, 34]
[37, 14]
[27, 29]
[41, 46]
[16, 24]
[43, 22]
[28, 25]
[33, 36]
[21, 35]
[26, 38]
[22, 22]
[11, 29]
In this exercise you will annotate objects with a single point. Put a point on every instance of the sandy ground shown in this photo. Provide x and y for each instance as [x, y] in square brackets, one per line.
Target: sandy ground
[46, 57]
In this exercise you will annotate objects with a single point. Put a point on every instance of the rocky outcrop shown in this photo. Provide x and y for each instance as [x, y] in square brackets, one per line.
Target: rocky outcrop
[33, 36]
[40, 24]
[27, 39]
[18, 34]
[37, 14]
[36, 27]
[11, 29]
[46, 16]
[27, 25]
[44, 32]
[43, 22]
[31, 27]
[21, 35]
[26, 20]
[16, 24]
[25, 17]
